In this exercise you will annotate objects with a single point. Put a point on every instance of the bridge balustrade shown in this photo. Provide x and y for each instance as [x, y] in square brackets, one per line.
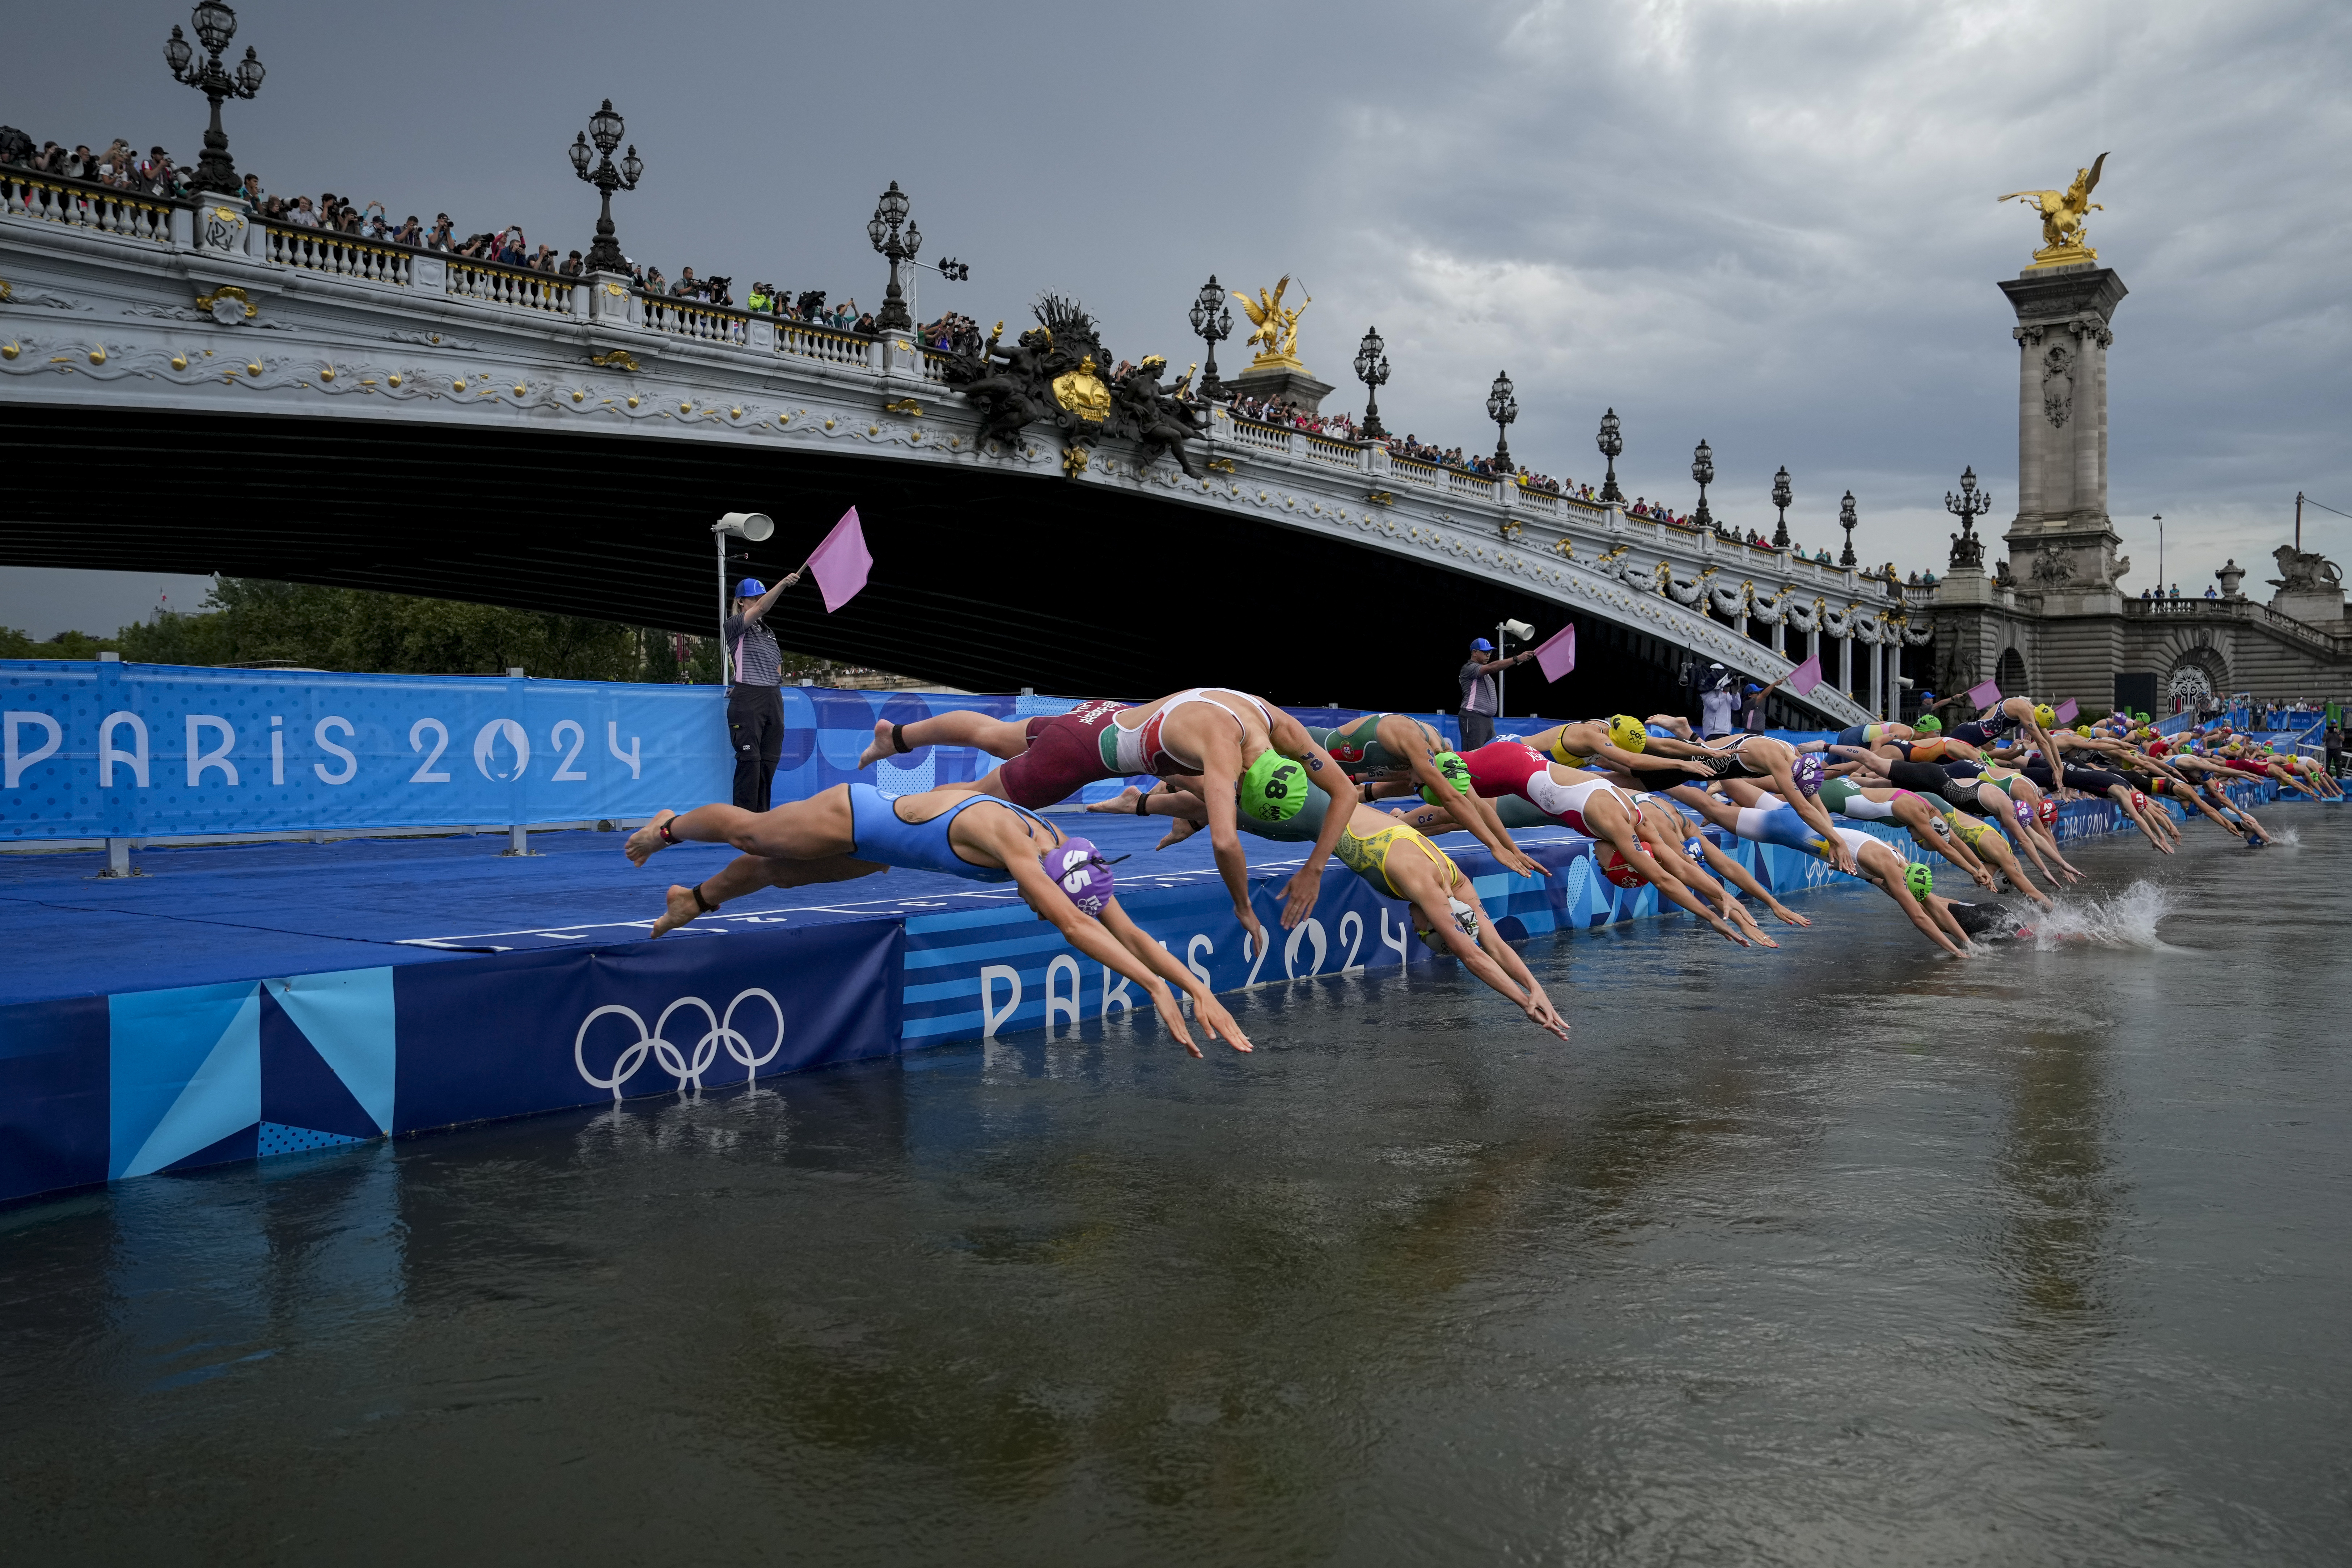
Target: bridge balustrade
[343, 255]
[79, 204]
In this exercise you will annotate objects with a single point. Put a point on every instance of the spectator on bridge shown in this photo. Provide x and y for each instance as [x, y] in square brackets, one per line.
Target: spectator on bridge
[573, 266]
[302, 213]
[411, 233]
[755, 707]
[1481, 703]
[2211, 592]
[443, 236]
[2175, 590]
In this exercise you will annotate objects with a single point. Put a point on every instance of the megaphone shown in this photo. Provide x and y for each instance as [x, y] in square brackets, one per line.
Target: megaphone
[1519, 629]
[755, 526]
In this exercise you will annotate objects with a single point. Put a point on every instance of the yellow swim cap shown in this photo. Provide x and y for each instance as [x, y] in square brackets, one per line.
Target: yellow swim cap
[2083, 730]
[1628, 733]
[2045, 715]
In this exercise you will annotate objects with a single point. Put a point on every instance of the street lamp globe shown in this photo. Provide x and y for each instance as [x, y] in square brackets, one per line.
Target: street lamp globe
[632, 166]
[1703, 470]
[1213, 323]
[606, 127]
[177, 54]
[1781, 496]
[1611, 443]
[1847, 520]
[1372, 370]
[580, 154]
[249, 73]
[894, 205]
[215, 24]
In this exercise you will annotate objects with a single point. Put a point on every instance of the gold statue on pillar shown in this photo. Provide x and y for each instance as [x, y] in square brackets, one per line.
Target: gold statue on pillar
[1277, 333]
[2063, 236]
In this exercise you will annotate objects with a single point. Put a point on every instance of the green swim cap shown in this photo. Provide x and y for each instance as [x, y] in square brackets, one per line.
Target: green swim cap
[1921, 880]
[1456, 771]
[1273, 788]
[1929, 724]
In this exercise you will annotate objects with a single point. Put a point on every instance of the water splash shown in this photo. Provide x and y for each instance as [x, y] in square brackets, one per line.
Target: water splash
[2124, 919]
[2286, 838]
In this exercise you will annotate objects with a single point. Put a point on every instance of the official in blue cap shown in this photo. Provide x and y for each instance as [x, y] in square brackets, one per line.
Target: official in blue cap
[755, 703]
[1481, 703]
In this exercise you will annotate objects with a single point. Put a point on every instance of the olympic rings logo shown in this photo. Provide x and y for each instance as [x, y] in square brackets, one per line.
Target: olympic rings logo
[687, 1071]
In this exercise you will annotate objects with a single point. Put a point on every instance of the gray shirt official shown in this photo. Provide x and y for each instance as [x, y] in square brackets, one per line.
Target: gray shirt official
[1478, 689]
[758, 661]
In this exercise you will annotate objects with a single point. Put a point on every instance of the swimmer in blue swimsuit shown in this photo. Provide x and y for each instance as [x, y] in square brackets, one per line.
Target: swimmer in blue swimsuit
[853, 830]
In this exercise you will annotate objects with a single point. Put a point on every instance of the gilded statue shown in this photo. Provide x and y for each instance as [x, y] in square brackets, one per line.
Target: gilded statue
[2063, 212]
[1276, 327]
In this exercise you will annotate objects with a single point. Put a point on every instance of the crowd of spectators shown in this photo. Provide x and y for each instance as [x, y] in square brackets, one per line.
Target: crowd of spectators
[952, 333]
[119, 166]
[1288, 416]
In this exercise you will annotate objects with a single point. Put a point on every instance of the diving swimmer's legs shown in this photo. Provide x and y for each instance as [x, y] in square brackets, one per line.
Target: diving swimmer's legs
[1003, 738]
[750, 873]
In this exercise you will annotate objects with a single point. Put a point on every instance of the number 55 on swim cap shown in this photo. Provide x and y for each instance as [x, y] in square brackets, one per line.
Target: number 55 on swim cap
[1274, 789]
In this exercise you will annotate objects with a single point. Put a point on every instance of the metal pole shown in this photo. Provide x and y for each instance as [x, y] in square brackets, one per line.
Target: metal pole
[2298, 522]
[1500, 641]
[719, 537]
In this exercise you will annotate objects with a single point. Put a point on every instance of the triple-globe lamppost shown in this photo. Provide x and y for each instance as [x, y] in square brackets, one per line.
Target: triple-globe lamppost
[882, 229]
[1502, 407]
[1611, 443]
[215, 24]
[606, 128]
[1967, 550]
[1703, 470]
[1846, 520]
[1372, 370]
[1781, 496]
[1213, 323]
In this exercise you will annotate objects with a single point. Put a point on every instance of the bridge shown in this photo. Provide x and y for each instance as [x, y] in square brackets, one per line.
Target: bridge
[193, 388]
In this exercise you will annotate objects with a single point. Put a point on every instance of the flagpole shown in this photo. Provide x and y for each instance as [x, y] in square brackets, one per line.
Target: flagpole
[719, 539]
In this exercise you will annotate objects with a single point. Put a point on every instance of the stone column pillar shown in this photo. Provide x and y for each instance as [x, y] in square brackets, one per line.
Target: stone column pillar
[1878, 679]
[1845, 664]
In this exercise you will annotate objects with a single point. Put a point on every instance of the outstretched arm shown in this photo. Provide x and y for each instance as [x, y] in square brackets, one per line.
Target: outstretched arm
[1207, 1010]
[1087, 935]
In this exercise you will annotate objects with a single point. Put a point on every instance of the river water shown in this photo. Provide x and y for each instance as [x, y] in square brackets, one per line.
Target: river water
[1837, 1254]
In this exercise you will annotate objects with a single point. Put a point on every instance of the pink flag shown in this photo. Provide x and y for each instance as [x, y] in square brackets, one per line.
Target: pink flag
[1984, 696]
[841, 562]
[1802, 680]
[1558, 656]
[2067, 711]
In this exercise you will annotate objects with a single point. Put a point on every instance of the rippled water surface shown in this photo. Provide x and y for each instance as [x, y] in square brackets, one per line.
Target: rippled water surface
[1838, 1254]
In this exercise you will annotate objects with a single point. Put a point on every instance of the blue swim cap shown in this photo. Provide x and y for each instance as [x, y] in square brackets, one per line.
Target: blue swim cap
[750, 588]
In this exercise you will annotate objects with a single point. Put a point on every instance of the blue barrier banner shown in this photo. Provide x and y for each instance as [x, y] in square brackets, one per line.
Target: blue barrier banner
[122, 751]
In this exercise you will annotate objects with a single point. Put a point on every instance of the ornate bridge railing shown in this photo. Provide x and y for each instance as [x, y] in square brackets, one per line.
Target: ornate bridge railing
[77, 203]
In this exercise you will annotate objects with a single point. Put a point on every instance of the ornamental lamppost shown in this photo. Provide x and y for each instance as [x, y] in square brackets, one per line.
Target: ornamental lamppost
[1846, 520]
[1502, 407]
[882, 228]
[1967, 550]
[604, 253]
[1372, 370]
[1213, 323]
[1781, 497]
[1611, 443]
[215, 26]
[1703, 470]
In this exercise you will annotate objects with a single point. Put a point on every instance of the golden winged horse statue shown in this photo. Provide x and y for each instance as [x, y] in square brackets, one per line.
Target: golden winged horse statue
[1276, 329]
[2062, 213]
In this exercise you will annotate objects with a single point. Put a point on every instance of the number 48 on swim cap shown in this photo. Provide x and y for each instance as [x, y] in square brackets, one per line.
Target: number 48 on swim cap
[1457, 773]
[1274, 789]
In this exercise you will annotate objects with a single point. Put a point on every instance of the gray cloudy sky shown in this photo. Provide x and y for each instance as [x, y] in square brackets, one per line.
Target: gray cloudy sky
[1770, 224]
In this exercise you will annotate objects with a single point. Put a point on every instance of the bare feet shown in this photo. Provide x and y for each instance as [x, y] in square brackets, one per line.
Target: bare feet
[1179, 829]
[882, 746]
[646, 840]
[1124, 801]
[682, 909]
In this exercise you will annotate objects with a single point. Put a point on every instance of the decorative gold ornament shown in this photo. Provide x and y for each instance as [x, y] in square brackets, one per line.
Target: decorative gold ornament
[394, 379]
[228, 291]
[616, 292]
[1074, 459]
[874, 429]
[1277, 328]
[1083, 394]
[828, 424]
[98, 354]
[179, 361]
[458, 384]
[686, 408]
[1380, 497]
[7, 290]
[327, 372]
[10, 351]
[579, 397]
[520, 389]
[1512, 528]
[632, 400]
[2063, 238]
[905, 406]
[614, 359]
[1223, 464]
[253, 368]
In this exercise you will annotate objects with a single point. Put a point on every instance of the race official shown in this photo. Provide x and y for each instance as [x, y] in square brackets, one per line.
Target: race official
[755, 703]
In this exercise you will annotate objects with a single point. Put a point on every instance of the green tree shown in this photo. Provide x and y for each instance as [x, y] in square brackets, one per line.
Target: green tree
[15, 643]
